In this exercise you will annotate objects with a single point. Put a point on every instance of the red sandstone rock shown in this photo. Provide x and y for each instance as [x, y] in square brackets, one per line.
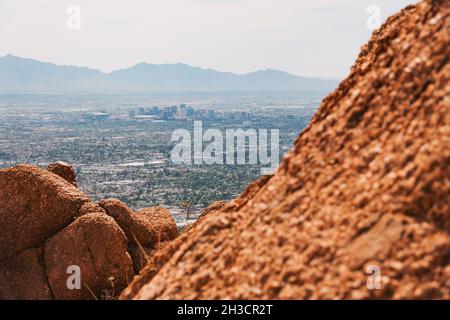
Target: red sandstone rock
[145, 229]
[23, 277]
[47, 225]
[161, 221]
[64, 170]
[156, 259]
[96, 244]
[35, 204]
[137, 228]
[367, 184]
[90, 207]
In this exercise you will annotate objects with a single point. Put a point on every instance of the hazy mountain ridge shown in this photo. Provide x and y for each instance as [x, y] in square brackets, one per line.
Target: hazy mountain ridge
[28, 75]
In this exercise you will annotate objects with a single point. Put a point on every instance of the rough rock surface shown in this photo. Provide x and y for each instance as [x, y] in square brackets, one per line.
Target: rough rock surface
[156, 260]
[145, 229]
[64, 170]
[48, 225]
[35, 204]
[366, 187]
[96, 244]
[24, 277]
[163, 224]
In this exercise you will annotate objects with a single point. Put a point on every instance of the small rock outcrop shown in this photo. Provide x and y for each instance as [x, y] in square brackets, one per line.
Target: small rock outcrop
[64, 170]
[163, 224]
[50, 230]
[145, 229]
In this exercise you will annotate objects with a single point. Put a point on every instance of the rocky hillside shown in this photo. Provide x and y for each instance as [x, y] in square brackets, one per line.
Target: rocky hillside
[365, 191]
[50, 230]
[358, 209]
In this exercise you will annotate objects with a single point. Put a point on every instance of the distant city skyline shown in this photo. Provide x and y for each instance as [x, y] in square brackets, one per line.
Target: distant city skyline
[308, 38]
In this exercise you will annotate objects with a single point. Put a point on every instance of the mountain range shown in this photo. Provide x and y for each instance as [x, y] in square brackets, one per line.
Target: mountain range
[21, 75]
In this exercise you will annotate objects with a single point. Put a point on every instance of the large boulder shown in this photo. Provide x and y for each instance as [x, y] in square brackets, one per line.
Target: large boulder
[358, 209]
[98, 246]
[162, 222]
[34, 205]
[137, 228]
[145, 229]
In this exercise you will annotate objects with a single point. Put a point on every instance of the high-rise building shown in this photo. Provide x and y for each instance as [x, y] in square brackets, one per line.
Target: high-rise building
[155, 111]
[181, 112]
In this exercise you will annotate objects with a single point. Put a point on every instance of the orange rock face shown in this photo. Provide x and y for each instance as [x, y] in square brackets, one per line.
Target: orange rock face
[97, 245]
[35, 205]
[64, 170]
[48, 227]
[360, 206]
[24, 277]
[145, 229]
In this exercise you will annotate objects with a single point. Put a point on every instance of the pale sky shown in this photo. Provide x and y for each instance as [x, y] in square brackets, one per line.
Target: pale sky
[318, 38]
